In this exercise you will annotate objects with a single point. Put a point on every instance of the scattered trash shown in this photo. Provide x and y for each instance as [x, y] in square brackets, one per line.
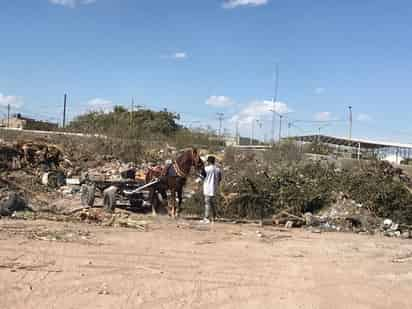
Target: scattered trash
[289, 225]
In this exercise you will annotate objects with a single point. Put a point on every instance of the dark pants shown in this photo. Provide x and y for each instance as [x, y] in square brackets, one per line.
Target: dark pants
[210, 207]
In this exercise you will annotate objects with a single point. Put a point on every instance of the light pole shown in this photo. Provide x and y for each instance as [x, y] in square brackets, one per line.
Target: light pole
[280, 126]
[8, 115]
[350, 122]
[280, 121]
[259, 123]
[253, 132]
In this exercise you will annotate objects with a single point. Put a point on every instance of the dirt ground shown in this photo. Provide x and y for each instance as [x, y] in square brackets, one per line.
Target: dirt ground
[188, 265]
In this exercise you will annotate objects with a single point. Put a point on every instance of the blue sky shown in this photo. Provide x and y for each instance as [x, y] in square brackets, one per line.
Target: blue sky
[200, 58]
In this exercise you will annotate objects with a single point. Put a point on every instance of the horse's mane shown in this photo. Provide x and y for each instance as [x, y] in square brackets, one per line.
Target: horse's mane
[185, 150]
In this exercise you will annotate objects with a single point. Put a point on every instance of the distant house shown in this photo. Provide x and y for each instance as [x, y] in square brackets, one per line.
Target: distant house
[20, 122]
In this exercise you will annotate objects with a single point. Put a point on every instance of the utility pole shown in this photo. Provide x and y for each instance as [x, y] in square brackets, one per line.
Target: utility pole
[289, 127]
[8, 115]
[253, 132]
[350, 122]
[131, 114]
[259, 123]
[220, 117]
[275, 98]
[237, 135]
[64, 110]
[280, 126]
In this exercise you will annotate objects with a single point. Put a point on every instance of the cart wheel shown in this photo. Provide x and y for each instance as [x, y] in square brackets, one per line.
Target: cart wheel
[109, 199]
[87, 195]
[136, 203]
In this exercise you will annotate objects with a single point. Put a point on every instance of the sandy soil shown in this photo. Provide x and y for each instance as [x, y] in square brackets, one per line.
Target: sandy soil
[187, 265]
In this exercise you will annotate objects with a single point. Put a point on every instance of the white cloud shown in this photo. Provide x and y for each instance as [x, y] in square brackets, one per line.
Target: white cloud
[176, 56]
[98, 104]
[231, 4]
[13, 101]
[364, 117]
[219, 101]
[72, 3]
[319, 90]
[180, 55]
[324, 116]
[258, 110]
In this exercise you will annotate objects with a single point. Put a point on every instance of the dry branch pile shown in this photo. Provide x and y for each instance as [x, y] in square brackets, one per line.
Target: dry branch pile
[290, 190]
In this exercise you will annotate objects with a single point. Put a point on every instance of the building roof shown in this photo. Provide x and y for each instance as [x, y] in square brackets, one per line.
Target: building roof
[354, 142]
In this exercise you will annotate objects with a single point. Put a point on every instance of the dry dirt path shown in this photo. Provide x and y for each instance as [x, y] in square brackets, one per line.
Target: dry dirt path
[186, 265]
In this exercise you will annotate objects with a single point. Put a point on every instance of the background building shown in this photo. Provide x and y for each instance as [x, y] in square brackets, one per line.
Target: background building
[17, 121]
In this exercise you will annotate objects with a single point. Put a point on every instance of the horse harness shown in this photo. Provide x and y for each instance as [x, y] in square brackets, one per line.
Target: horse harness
[179, 171]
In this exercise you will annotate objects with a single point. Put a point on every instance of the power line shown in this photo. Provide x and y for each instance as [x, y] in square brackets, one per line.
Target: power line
[319, 121]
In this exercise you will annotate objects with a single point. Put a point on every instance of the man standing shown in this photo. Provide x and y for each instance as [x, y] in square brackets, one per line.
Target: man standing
[212, 179]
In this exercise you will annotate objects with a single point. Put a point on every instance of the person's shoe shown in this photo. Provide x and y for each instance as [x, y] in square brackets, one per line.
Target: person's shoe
[205, 221]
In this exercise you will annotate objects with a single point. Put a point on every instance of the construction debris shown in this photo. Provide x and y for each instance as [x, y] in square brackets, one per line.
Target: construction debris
[367, 197]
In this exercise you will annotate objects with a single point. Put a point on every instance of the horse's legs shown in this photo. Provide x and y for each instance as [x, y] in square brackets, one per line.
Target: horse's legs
[153, 200]
[173, 200]
[179, 190]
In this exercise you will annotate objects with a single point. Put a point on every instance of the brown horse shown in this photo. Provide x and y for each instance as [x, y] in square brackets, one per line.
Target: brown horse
[173, 178]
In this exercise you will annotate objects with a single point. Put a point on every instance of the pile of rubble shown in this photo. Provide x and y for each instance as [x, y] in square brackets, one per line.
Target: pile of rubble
[344, 215]
[43, 178]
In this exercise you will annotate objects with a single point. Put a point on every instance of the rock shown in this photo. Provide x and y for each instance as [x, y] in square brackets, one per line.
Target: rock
[397, 234]
[406, 235]
[104, 290]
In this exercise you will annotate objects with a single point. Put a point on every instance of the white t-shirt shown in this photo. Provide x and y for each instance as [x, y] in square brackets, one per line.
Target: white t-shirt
[212, 179]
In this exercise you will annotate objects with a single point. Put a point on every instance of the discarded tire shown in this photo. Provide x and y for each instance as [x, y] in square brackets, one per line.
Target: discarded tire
[109, 199]
[87, 195]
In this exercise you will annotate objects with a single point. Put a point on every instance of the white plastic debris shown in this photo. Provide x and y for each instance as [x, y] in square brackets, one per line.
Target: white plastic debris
[387, 223]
